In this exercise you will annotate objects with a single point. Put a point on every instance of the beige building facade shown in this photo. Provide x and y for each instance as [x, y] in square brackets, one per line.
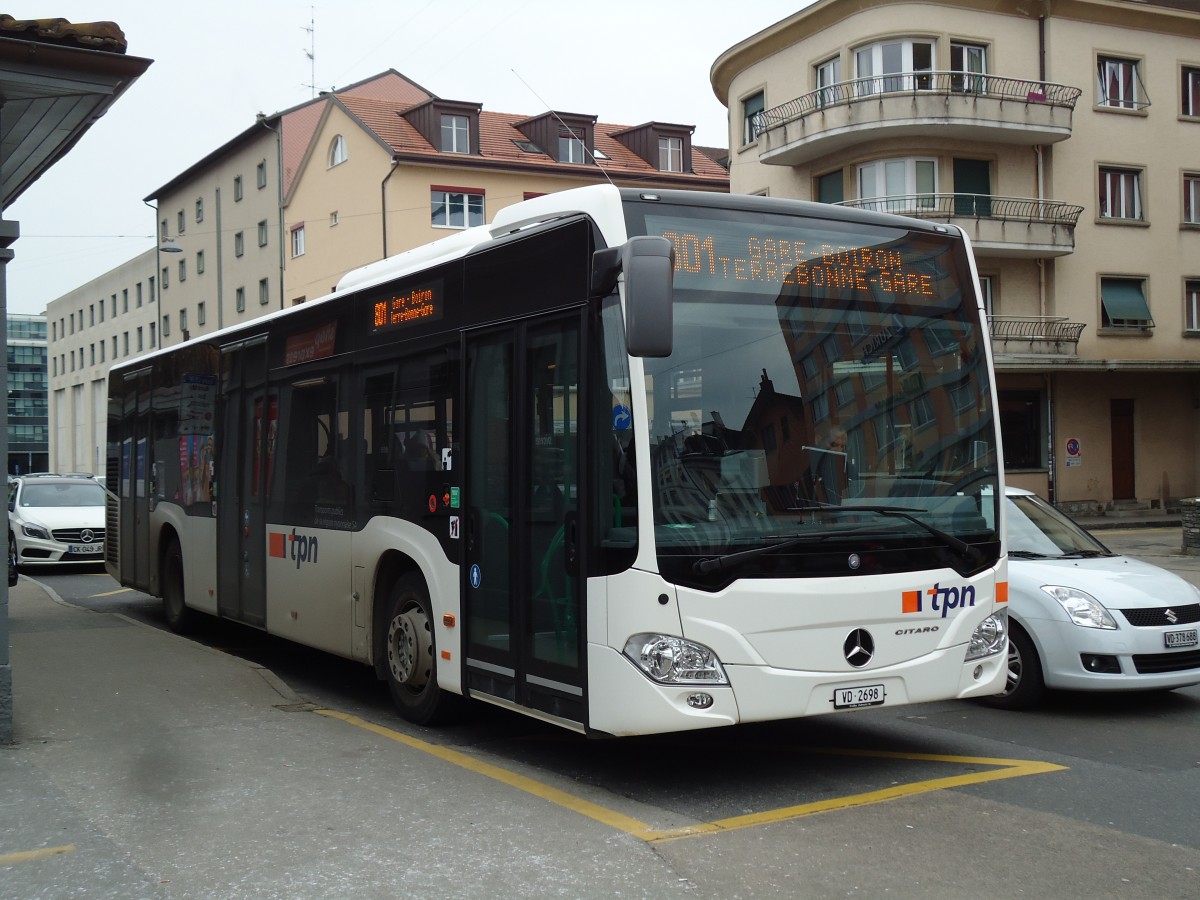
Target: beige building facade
[1064, 137]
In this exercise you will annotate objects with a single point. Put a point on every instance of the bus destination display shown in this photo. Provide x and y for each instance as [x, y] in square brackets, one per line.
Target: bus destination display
[731, 256]
[411, 306]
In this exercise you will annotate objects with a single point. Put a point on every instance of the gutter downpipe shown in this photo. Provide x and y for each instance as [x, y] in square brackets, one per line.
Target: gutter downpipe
[262, 120]
[1051, 480]
[383, 202]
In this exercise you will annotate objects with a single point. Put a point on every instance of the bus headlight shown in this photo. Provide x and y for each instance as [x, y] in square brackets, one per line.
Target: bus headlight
[989, 637]
[672, 660]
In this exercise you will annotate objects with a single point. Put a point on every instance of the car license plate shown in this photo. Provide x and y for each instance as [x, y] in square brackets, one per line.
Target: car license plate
[85, 549]
[1180, 638]
[862, 695]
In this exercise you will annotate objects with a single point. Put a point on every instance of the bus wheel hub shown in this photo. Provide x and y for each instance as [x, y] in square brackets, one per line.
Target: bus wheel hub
[410, 655]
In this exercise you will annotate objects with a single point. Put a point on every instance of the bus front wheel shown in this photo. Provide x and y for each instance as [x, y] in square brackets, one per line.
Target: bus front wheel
[411, 655]
[179, 617]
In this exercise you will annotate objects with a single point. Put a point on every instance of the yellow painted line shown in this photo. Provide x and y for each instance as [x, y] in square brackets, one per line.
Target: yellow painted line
[28, 855]
[114, 593]
[998, 769]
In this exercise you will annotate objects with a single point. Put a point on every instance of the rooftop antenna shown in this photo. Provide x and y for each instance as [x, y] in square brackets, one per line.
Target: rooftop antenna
[565, 126]
[311, 52]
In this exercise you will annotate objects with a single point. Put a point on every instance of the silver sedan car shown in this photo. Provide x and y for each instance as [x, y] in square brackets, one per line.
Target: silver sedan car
[1085, 619]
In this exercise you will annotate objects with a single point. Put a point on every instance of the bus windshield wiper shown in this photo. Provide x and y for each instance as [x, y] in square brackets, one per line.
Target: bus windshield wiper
[959, 546]
[711, 564]
[1029, 554]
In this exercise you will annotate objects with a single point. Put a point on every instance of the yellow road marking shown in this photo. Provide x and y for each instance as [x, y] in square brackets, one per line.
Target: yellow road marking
[998, 769]
[27, 855]
[114, 593]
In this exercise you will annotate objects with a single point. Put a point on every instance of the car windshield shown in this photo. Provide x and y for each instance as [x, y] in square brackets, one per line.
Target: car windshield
[1037, 530]
[62, 493]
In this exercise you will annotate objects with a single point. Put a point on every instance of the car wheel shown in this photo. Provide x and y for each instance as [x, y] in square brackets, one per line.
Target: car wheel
[179, 618]
[411, 655]
[1025, 685]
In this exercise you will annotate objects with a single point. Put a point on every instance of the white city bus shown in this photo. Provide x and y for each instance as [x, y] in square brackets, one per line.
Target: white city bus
[628, 462]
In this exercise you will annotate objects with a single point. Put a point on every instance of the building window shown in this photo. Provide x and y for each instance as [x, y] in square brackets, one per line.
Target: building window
[670, 154]
[183, 270]
[1190, 93]
[240, 299]
[153, 340]
[828, 75]
[264, 292]
[456, 208]
[898, 185]
[199, 264]
[165, 283]
[456, 135]
[125, 343]
[114, 350]
[199, 209]
[333, 218]
[1123, 303]
[752, 117]
[151, 280]
[298, 241]
[237, 188]
[1191, 304]
[137, 290]
[200, 317]
[1120, 194]
[1021, 423]
[1118, 83]
[183, 325]
[162, 230]
[987, 294]
[91, 314]
[968, 63]
[166, 325]
[901, 65]
[262, 233]
[239, 243]
[337, 151]
[571, 146]
[261, 174]
[179, 221]
[1191, 198]
[140, 345]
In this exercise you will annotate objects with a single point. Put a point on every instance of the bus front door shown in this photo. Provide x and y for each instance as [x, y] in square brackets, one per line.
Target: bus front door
[522, 582]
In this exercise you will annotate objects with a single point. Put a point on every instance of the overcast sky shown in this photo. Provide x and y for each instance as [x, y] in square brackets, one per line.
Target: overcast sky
[218, 63]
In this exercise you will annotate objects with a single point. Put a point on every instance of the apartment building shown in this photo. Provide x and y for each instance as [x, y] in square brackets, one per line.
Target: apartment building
[27, 402]
[1063, 136]
[279, 213]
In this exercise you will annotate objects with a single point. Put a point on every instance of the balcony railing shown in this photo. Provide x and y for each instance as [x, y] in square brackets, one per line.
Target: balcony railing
[1041, 334]
[957, 84]
[973, 206]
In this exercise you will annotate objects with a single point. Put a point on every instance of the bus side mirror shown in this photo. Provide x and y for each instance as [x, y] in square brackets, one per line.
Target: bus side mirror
[648, 264]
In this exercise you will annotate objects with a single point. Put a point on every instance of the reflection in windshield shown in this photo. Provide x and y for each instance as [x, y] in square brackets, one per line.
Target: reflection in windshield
[832, 382]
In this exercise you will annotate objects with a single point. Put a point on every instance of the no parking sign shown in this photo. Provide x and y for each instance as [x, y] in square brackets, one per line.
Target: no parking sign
[1074, 452]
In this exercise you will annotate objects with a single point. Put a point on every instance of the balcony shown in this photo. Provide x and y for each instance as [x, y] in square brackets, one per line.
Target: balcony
[1014, 336]
[1006, 227]
[950, 105]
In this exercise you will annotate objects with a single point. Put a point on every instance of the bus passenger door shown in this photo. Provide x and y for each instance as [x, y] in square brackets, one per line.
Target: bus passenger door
[132, 484]
[248, 421]
[522, 583]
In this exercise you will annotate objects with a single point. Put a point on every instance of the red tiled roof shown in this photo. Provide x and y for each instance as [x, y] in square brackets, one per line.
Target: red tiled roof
[498, 134]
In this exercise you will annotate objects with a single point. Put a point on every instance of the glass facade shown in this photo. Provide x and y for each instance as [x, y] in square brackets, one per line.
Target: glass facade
[28, 395]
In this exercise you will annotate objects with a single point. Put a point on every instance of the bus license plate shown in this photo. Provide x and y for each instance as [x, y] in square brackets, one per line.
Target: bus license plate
[85, 549]
[1180, 638]
[862, 695]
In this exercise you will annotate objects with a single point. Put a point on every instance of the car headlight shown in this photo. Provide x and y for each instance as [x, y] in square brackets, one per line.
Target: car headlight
[672, 660]
[989, 636]
[35, 531]
[1083, 609]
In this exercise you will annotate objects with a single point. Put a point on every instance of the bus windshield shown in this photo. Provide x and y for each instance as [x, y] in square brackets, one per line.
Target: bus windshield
[827, 395]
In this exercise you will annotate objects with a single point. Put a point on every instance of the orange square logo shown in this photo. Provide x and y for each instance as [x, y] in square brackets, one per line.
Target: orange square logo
[278, 544]
[912, 602]
[1001, 591]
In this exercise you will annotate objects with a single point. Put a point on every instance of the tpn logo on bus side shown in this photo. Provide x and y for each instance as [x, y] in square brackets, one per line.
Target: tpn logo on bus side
[941, 599]
[300, 548]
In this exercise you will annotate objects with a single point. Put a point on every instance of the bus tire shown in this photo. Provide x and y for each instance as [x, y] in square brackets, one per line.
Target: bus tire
[175, 611]
[411, 655]
[1025, 685]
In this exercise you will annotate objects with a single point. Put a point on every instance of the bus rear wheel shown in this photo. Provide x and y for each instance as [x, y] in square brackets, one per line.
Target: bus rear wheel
[411, 655]
[179, 617]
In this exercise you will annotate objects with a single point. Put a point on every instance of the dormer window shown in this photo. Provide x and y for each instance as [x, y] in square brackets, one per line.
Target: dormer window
[567, 137]
[571, 147]
[666, 147]
[456, 134]
[670, 154]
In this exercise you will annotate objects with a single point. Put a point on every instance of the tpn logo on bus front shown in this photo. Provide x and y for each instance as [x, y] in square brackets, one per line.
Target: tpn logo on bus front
[941, 599]
[299, 547]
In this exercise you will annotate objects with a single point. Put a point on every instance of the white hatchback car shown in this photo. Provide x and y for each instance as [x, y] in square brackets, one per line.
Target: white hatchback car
[55, 519]
[1085, 619]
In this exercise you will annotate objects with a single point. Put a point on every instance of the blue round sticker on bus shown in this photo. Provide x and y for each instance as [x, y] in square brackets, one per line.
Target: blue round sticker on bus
[476, 576]
[621, 418]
